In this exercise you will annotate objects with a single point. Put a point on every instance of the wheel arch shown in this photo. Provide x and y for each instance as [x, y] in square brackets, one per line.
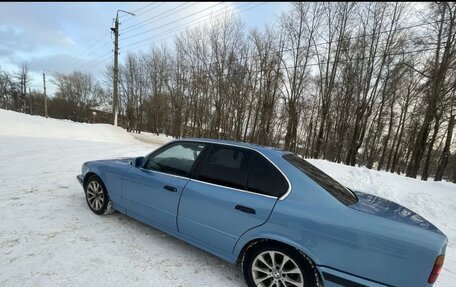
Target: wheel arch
[245, 243]
[89, 175]
[272, 240]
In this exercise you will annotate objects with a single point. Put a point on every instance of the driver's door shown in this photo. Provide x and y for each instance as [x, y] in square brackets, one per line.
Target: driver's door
[151, 192]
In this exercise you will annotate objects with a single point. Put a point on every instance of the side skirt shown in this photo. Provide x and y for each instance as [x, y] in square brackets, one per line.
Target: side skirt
[337, 278]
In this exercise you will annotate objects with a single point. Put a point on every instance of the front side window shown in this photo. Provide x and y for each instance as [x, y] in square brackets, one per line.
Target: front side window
[264, 178]
[225, 165]
[333, 187]
[177, 159]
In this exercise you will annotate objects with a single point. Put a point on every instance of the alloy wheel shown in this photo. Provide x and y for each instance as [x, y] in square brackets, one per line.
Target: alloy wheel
[95, 195]
[275, 269]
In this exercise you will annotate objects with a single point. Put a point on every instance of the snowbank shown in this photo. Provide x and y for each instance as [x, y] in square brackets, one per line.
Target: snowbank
[152, 138]
[18, 124]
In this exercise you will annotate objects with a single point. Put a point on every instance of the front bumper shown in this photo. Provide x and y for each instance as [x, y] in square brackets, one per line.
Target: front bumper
[80, 179]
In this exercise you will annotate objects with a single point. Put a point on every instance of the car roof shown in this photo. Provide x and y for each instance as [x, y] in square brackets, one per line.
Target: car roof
[257, 147]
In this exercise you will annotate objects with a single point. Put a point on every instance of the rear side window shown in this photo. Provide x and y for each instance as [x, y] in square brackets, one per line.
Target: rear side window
[333, 187]
[264, 178]
[225, 165]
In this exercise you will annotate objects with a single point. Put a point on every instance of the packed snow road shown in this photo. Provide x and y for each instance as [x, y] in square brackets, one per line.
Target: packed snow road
[49, 237]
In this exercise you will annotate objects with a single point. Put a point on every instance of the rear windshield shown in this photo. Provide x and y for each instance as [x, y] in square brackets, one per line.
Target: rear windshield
[333, 187]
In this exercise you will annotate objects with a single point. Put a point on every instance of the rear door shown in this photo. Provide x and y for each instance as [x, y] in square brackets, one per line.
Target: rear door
[234, 190]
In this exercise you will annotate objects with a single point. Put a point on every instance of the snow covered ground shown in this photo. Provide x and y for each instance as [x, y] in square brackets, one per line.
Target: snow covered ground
[17, 124]
[49, 237]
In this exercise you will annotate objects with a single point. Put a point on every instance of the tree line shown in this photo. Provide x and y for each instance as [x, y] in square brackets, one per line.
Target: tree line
[358, 83]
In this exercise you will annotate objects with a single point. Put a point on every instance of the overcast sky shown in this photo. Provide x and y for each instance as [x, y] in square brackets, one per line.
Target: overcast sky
[69, 36]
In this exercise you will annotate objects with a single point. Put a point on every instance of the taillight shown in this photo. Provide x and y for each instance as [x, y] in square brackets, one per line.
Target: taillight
[437, 268]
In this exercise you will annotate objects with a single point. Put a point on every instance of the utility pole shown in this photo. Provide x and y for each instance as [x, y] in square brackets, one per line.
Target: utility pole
[30, 100]
[115, 100]
[45, 96]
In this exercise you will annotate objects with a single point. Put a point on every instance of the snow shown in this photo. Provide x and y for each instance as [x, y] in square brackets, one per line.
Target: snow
[17, 124]
[49, 237]
[152, 138]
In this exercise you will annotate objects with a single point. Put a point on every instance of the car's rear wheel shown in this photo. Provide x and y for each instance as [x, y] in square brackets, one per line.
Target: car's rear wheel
[278, 266]
[97, 196]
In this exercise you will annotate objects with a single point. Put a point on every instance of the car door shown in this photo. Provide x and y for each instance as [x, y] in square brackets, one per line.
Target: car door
[151, 192]
[228, 195]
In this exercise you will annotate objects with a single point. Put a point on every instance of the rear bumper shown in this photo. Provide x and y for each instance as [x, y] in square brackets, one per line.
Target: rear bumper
[80, 179]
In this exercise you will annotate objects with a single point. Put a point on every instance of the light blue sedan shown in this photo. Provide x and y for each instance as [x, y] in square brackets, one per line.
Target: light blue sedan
[286, 222]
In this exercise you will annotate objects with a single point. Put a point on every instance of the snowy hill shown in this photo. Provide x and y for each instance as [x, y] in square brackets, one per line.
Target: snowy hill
[18, 124]
[50, 238]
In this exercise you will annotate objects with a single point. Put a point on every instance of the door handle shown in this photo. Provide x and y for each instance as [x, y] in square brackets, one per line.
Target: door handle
[245, 209]
[170, 188]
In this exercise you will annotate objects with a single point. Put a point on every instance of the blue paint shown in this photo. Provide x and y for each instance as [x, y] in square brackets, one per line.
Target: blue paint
[373, 242]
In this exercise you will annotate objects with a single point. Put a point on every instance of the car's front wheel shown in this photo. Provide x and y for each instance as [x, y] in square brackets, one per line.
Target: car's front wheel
[97, 196]
[278, 266]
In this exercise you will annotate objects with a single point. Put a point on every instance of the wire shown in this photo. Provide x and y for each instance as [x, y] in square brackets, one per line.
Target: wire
[307, 65]
[323, 43]
[157, 19]
[178, 28]
[288, 49]
[108, 56]
[97, 62]
[172, 22]
[134, 11]
[76, 59]
[153, 18]
[139, 15]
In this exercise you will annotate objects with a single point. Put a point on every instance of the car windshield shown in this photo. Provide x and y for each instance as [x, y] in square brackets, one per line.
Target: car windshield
[332, 186]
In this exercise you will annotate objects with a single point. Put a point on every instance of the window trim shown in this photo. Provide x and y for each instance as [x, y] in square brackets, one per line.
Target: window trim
[204, 158]
[233, 188]
[170, 145]
[209, 142]
[283, 179]
[317, 182]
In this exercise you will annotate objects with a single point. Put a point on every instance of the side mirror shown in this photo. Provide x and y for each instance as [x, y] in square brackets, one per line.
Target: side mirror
[139, 161]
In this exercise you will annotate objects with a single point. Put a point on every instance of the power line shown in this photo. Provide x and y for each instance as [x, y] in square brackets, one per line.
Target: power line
[90, 52]
[324, 62]
[172, 22]
[134, 11]
[108, 56]
[298, 48]
[308, 65]
[157, 19]
[152, 19]
[139, 15]
[178, 28]
[290, 49]
[96, 62]
[76, 59]
[328, 42]
[80, 59]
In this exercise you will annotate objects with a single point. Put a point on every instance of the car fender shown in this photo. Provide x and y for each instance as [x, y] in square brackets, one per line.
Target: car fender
[261, 233]
[111, 174]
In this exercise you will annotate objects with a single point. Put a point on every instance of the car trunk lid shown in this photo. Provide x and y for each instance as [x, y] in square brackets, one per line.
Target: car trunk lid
[390, 210]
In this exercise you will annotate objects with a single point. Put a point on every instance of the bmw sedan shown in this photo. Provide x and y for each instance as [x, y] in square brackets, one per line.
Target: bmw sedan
[283, 220]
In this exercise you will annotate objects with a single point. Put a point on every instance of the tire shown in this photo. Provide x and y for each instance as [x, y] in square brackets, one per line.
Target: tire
[97, 197]
[259, 270]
